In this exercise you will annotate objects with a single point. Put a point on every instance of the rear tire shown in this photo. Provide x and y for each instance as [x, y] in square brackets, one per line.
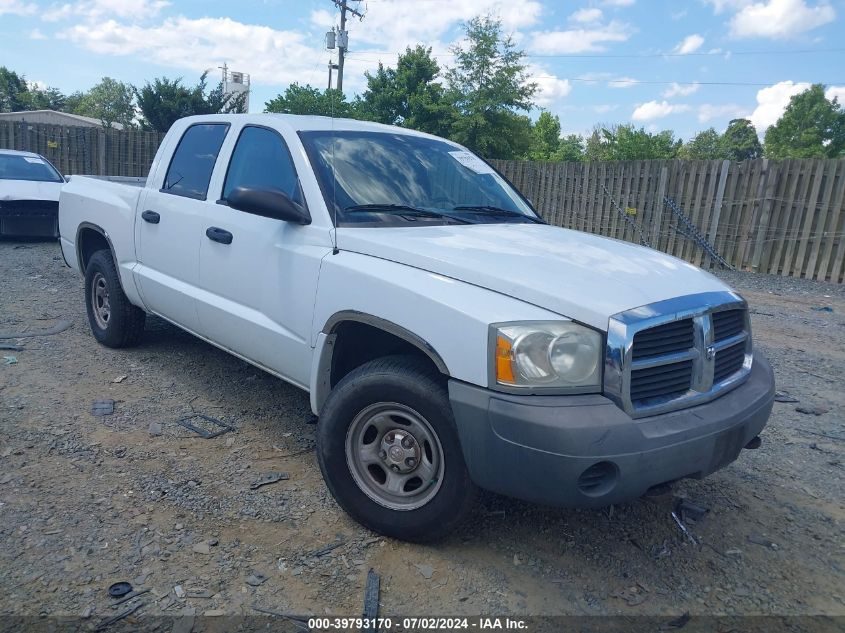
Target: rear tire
[389, 450]
[114, 321]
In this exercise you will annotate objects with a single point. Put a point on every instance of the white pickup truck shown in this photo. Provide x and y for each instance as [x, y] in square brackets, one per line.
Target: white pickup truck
[448, 337]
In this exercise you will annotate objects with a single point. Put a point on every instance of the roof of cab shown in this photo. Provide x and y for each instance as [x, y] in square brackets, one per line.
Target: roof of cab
[15, 152]
[303, 123]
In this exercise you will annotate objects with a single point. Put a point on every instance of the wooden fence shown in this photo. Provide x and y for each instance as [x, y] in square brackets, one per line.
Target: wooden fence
[84, 150]
[784, 217]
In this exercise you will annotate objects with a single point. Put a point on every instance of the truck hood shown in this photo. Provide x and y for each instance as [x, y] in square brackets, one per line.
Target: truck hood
[29, 190]
[578, 275]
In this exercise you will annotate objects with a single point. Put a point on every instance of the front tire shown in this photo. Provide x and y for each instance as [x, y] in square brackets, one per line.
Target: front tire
[389, 450]
[114, 321]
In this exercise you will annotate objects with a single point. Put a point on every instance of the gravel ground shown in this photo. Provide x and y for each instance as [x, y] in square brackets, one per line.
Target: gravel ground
[87, 501]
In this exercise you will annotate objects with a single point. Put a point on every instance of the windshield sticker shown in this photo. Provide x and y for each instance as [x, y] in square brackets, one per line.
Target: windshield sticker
[471, 161]
[30, 159]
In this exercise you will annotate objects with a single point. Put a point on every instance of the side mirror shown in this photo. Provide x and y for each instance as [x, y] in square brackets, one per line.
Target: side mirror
[268, 203]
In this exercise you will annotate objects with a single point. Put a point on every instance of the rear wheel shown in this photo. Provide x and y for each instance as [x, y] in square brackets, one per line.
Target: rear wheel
[389, 451]
[114, 321]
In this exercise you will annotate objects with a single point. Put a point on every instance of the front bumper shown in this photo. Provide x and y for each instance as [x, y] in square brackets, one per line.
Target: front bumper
[539, 448]
[29, 218]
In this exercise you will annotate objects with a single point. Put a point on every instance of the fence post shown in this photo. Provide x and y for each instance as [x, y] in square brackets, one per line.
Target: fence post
[101, 152]
[765, 220]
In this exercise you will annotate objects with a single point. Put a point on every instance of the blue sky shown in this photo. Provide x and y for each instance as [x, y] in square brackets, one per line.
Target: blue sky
[681, 65]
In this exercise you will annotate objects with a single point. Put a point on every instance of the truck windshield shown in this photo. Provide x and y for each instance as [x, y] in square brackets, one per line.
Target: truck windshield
[23, 167]
[384, 178]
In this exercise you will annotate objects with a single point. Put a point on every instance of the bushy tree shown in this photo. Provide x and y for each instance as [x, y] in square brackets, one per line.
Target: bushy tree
[17, 95]
[740, 142]
[111, 101]
[706, 145]
[571, 149]
[408, 95]
[626, 142]
[545, 137]
[13, 89]
[812, 126]
[310, 100]
[165, 101]
[490, 87]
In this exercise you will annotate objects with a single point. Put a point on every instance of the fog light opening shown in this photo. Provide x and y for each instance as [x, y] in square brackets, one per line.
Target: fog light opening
[598, 479]
[754, 443]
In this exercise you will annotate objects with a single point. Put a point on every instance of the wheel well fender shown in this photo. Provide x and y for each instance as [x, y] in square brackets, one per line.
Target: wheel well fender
[352, 338]
[91, 238]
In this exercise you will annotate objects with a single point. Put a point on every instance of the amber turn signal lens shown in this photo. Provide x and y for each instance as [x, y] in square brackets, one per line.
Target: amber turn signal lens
[504, 361]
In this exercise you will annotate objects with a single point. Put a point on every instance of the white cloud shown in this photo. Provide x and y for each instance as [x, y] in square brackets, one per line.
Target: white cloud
[579, 40]
[680, 90]
[778, 18]
[622, 82]
[202, 43]
[16, 7]
[97, 9]
[36, 34]
[772, 101]
[394, 24]
[587, 16]
[604, 108]
[708, 111]
[836, 91]
[689, 44]
[657, 110]
[619, 3]
[550, 88]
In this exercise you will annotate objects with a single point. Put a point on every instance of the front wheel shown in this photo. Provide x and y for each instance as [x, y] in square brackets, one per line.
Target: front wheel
[389, 451]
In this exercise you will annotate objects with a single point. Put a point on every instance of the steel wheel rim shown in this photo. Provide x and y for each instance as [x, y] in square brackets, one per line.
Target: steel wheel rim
[394, 456]
[100, 300]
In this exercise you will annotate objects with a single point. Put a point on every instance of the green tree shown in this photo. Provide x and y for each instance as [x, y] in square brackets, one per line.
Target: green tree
[408, 95]
[111, 101]
[545, 137]
[812, 126]
[489, 86]
[44, 99]
[571, 149]
[310, 100]
[13, 91]
[706, 145]
[626, 142]
[164, 101]
[740, 141]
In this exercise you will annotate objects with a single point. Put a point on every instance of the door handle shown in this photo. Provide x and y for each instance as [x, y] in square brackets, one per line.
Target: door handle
[151, 216]
[218, 235]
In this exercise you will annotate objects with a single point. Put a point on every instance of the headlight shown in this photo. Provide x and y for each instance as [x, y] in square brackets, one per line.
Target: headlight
[540, 354]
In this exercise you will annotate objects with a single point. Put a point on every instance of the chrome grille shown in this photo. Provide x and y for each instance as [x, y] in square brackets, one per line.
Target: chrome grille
[663, 339]
[677, 353]
[661, 381]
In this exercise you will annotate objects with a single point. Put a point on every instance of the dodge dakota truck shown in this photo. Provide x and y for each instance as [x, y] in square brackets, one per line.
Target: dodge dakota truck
[449, 338]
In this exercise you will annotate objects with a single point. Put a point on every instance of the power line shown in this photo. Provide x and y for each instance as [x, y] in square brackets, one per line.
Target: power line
[807, 51]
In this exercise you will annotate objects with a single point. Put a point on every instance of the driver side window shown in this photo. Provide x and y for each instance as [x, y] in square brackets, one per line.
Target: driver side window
[261, 160]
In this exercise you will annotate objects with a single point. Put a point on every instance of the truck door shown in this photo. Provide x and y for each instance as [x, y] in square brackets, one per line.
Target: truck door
[171, 226]
[258, 284]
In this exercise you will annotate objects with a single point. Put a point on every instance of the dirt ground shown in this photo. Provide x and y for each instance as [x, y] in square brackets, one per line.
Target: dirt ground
[87, 501]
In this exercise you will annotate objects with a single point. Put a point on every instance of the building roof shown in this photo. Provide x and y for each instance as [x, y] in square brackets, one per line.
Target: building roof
[39, 115]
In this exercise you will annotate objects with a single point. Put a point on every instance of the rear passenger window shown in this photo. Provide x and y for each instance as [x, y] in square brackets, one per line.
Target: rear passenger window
[193, 161]
[261, 160]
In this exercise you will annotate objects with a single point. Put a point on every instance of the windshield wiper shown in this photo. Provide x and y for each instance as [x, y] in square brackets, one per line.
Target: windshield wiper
[497, 211]
[402, 209]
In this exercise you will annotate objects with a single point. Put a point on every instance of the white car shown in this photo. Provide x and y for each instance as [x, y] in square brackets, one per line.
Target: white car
[449, 338]
[29, 195]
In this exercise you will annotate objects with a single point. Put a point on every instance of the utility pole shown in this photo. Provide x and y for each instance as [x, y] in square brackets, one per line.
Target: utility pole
[343, 38]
